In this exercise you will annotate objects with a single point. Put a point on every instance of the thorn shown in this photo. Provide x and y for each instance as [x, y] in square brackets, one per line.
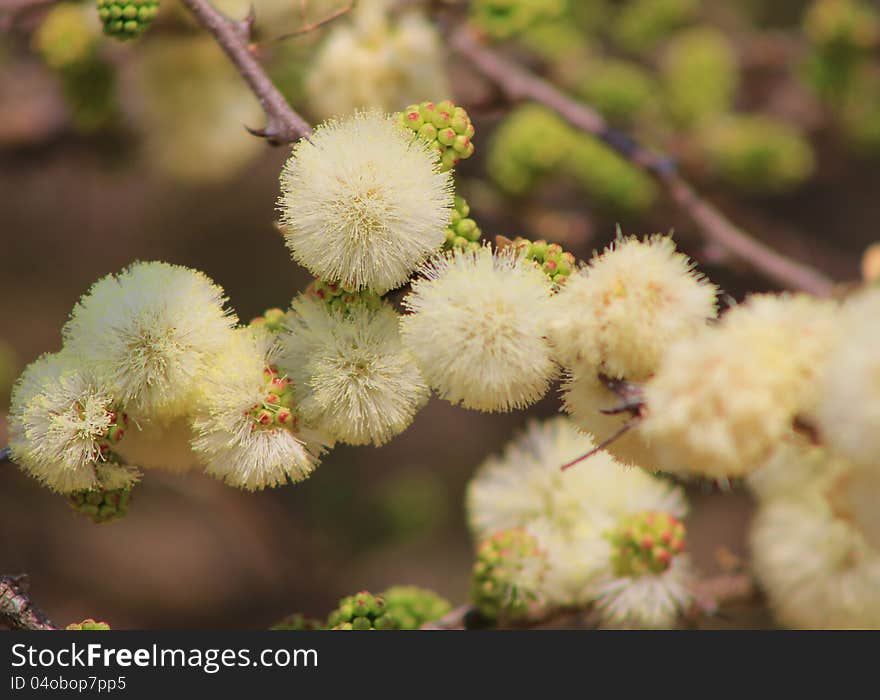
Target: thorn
[247, 24]
[271, 136]
[620, 432]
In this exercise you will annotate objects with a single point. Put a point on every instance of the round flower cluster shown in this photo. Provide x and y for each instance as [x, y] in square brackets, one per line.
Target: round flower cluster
[462, 232]
[815, 539]
[507, 575]
[272, 320]
[590, 526]
[376, 59]
[718, 413]
[554, 262]
[362, 611]
[339, 298]
[127, 19]
[88, 625]
[444, 126]
[411, 606]
[101, 505]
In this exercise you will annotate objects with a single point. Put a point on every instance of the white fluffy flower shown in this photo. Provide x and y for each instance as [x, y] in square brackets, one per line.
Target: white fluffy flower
[352, 377]
[247, 431]
[364, 203]
[849, 410]
[149, 334]
[816, 550]
[398, 61]
[477, 328]
[569, 512]
[651, 601]
[59, 421]
[619, 314]
[723, 400]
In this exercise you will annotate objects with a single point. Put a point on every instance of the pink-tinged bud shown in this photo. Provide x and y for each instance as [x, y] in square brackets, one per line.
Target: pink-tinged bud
[319, 293]
[677, 546]
[279, 383]
[428, 132]
[550, 267]
[112, 416]
[446, 136]
[666, 537]
[264, 417]
[648, 542]
[284, 417]
[461, 143]
[269, 372]
[662, 555]
[125, 420]
[469, 151]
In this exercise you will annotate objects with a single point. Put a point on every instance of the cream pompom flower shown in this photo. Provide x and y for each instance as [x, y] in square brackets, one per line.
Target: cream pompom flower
[477, 328]
[816, 549]
[63, 425]
[723, 400]
[399, 60]
[149, 334]
[848, 414]
[364, 203]
[352, 377]
[247, 429]
[569, 512]
[619, 314]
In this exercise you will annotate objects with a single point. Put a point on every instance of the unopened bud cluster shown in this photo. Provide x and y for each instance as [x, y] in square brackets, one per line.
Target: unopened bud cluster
[101, 505]
[646, 543]
[340, 298]
[127, 19]
[446, 127]
[462, 231]
[88, 625]
[506, 574]
[297, 622]
[276, 409]
[272, 320]
[555, 262]
[362, 611]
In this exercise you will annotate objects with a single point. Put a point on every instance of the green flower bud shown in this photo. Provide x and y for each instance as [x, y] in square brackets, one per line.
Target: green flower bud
[462, 232]
[101, 505]
[88, 625]
[507, 575]
[646, 543]
[411, 606]
[446, 127]
[362, 611]
[127, 19]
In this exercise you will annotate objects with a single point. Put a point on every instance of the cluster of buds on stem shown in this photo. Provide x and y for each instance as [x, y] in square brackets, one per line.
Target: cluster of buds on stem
[340, 298]
[507, 575]
[362, 611]
[88, 625]
[462, 231]
[646, 543]
[101, 505]
[272, 320]
[555, 262]
[446, 127]
[276, 409]
[127, 19]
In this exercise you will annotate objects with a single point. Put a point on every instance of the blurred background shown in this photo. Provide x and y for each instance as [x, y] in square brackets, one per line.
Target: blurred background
[112, 152]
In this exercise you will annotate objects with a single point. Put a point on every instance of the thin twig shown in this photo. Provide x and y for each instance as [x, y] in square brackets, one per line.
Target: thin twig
[283, 124]
[317, 24]
[17, 610]
[616, 435]
[519, 84]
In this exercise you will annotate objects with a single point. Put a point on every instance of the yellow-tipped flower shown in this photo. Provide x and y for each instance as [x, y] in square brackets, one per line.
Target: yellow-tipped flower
[63, 426]
[723, 400]
[352, 377]
[848, 408]
[816, 546]
[248, 430]
[477, 328]
[150, 333]
[363, 203]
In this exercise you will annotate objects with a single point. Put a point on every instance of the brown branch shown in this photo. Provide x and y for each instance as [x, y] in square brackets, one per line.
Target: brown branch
[11, 10]
[17, 610]
[318, 23]
[519, 84]
[283, 124]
